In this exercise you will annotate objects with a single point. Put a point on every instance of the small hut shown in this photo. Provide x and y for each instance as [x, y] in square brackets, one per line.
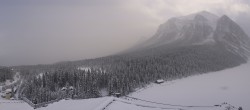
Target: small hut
[117, 94]
[64, 89]
[71, 88]
[159, 81]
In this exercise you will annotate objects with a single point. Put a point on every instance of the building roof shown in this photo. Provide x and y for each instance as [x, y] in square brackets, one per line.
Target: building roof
[160, 80]
[8, 90]
[64, 88]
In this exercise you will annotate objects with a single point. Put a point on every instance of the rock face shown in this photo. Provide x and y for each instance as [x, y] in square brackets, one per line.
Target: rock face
[202, 28]
[229, 35]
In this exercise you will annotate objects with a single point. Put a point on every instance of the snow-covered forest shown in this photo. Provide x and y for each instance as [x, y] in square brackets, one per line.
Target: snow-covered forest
[209, 89]
[118, 74]
[5, 74]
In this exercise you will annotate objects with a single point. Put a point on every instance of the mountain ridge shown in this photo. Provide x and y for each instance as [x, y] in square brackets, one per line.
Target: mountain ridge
[199, 29]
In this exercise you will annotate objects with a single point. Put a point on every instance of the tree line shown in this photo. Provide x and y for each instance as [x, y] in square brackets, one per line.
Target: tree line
[121, 73]
[6, 74]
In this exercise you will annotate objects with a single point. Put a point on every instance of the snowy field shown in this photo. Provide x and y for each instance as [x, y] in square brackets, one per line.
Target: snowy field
[14, 105]
[231, 86]
[85, 104]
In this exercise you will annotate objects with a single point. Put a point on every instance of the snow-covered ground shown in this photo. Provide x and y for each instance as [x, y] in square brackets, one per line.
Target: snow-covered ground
[85, 104]
[231, 86]
[14, 105]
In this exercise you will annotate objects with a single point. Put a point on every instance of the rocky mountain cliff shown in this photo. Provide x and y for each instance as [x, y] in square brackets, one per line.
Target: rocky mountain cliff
[201, 28]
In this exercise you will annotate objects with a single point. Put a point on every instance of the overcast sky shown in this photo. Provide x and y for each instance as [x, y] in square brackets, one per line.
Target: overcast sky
[48, 31]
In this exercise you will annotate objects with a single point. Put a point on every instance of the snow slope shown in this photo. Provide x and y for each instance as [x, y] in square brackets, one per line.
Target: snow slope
[231, 86]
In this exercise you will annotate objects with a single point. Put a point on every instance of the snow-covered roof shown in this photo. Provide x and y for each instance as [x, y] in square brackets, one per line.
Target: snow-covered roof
[117, 93]
[84, 69]
[160, 80]
[8, 90]
[64, 88]
[71, 87]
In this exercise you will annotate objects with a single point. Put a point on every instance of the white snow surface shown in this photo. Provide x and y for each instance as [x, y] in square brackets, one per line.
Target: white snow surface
[230, 85]
[84, 104]
[14, 105]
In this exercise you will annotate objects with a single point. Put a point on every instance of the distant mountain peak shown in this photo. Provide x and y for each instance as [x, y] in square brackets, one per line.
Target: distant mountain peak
[231, 36]
[199, 17]
[205, 14]
[225, 17]
[201, 28]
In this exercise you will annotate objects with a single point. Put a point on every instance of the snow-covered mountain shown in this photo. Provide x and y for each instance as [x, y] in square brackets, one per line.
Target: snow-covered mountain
[230, 35]
[201, 29]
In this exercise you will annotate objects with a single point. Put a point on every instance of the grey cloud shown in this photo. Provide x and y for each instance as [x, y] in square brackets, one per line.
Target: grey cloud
[58, 2]
[47, 34]
[47, 31]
